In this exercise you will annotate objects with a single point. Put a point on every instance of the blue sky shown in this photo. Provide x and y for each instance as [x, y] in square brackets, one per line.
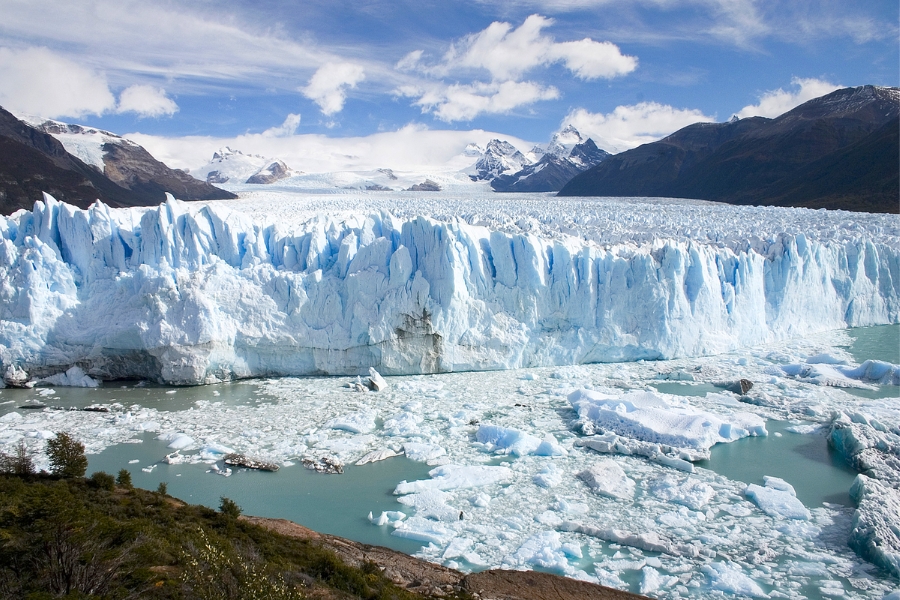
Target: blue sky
[623, 71]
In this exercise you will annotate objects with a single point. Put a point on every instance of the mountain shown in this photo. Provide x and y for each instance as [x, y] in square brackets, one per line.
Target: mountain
[117, 171]
[838, 151]
[558, 165]
[233, 166]
[499, 157]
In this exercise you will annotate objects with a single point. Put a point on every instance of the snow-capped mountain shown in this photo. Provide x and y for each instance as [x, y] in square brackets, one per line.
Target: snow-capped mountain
[567, 155]
[233, 166]
[499, 157]
[83, 164]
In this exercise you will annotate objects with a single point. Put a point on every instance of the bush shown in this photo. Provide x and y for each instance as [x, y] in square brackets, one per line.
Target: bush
[229, 508]
[102, 480]
[19, 463]
[66, 456]
[124, 479]
[162, 488]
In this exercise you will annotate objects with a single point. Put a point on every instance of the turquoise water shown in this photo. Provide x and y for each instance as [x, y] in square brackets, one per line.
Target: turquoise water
[335, 504]
[688, 389]
[881, 342]
[807, 462]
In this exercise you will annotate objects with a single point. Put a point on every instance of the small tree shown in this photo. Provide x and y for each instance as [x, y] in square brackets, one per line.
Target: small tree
[162, 488]
[66, 456]
[229, 508]
[19, 463]
[124, 479]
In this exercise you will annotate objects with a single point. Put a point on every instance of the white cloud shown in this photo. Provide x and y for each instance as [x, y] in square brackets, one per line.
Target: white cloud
[508, 53]
[41, 82]
[289, 127]
[465, 102]
[627, 127]
[328, 86]
[777, 102]
[146, 101]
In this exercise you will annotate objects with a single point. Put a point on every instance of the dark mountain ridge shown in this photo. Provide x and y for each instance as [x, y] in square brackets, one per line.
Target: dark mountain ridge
[33, 161]
[834, 152]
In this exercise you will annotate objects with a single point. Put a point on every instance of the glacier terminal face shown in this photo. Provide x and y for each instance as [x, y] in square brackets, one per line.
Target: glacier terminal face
[198, 293]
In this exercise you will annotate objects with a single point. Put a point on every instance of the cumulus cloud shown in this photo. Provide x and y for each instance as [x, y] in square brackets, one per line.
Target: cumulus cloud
[146, 101]
[777, 102]
[289, 127]
[630, 126]
[41, 82]
[459, 102]
[328, 86]
[508, 53]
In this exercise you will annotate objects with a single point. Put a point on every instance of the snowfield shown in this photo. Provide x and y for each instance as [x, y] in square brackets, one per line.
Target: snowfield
[282, 283]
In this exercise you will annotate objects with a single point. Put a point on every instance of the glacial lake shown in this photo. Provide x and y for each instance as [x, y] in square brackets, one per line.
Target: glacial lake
[340, 504]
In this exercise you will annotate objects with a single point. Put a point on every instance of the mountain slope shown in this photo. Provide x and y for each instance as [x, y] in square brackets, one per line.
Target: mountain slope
[558, 164]
[34, 161]
[768, 161]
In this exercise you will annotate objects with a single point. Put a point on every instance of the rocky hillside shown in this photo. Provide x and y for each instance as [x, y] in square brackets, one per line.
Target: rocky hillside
[838, 151]
[118, 172]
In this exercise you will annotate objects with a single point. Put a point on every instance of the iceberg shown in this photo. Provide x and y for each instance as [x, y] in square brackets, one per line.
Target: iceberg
[200, 293]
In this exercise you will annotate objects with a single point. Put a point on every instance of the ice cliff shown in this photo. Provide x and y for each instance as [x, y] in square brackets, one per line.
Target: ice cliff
[189, 294]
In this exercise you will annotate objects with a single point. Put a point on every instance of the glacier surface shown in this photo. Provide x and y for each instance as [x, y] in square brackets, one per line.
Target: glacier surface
[282, 284]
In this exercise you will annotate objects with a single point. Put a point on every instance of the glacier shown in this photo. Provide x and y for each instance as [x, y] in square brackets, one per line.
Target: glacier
[206, 292]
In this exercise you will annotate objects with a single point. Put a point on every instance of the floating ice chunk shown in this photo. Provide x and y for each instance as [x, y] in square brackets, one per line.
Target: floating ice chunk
[548, 477]
[607, 478]
[652, 580]
[876, 533]
[690, 492]
[377, 455]
[683, 517]
[457, 548]
[421, 452]
[213, 451]
[542, 550]
[405, 424]
[454, 477]
[73, 377]
[779, 484]
[777, 503]
[424, 530]
[11, 417]
[481, 500]
[503, 439]
[550, 447]
[649, 417]
[875, 371]
[387, 517]
[825, 359]
[178, 441]
[376, 381]
[821, 374]
[650, 541]
[431, 504]
[730, 578]
[358, 422]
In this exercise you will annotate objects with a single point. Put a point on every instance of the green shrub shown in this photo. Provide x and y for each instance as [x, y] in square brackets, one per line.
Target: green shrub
[66, 456]
[162, 488]
[124, 479]
[102, 480]
[229, 508]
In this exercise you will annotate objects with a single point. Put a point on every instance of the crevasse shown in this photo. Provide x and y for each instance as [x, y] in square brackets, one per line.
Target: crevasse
[188, 294]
